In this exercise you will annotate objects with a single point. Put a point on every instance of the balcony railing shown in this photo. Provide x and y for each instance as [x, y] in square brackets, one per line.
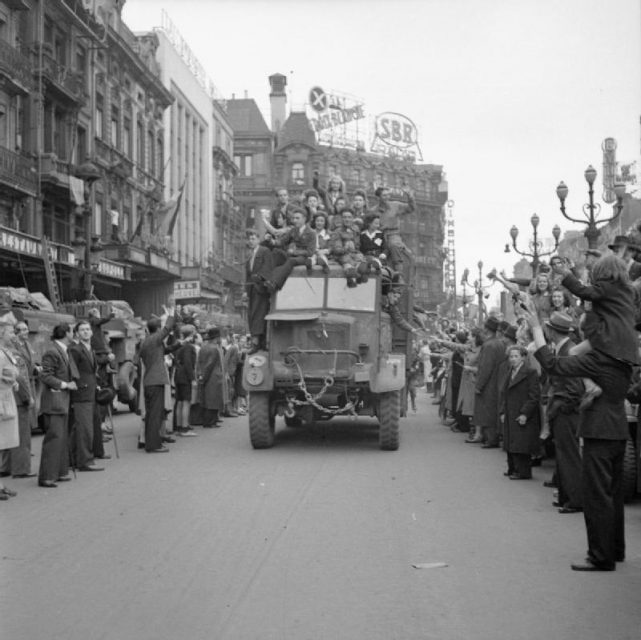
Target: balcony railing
[113, 159]
[18, 172]
[15, 67]
[54, 169]
[68, 83]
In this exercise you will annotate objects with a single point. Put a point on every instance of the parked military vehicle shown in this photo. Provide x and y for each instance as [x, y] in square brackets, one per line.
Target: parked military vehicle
[333, 351]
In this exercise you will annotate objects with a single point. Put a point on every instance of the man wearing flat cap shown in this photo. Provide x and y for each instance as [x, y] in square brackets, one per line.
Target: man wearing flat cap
[211, 378]
[486, 404]
[564, 397]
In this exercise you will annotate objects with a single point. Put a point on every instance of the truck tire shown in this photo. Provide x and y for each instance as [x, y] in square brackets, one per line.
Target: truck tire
[126, 379]
[261, 420]
[629, 471]
[389, 410]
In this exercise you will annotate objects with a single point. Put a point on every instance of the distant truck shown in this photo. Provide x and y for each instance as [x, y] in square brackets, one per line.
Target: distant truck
[333, 351]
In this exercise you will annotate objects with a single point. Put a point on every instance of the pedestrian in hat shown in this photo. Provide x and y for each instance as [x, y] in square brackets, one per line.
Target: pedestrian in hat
[211, 378]
[564, 395]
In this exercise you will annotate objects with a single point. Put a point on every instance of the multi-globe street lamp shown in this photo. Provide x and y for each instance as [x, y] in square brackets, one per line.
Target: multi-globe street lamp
[535, 244]
[479, 289]
[592, 209]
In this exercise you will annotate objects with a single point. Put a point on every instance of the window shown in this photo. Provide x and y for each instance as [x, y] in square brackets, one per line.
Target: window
[99, 116]
[97, 219]
[140, 143]
[81, 65]
[244, 163]
[114, 129]
[298, 173]
[126, 137]
[81, 145]
[151, 160]
[56, 223]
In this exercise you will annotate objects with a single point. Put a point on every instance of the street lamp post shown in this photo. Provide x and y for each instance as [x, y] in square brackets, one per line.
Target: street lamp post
[535, 244]
[89, 174]
[479, 289]
[592, 209]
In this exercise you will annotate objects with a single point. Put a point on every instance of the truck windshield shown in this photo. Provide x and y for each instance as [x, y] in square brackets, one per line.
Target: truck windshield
[301, 293]
[360, 298]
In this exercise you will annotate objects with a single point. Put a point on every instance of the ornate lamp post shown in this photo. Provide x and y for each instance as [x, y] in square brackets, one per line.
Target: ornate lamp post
[479, 289]
[592, 209]
[535, 244]
[89, 174]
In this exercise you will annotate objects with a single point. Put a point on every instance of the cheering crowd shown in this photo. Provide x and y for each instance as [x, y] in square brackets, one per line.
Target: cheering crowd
[563, 371]
[185, 378]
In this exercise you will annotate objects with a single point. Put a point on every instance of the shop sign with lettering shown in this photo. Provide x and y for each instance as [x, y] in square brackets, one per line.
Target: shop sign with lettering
[29, 246]
[186, 289]
[334, 118]
[111, 269]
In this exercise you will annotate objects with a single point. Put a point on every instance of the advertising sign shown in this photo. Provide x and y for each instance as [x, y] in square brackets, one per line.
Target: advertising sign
[396, 136]
[335, 118]
[186, 289]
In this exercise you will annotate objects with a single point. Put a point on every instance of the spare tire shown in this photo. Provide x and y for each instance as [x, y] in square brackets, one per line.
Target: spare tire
[126, 378]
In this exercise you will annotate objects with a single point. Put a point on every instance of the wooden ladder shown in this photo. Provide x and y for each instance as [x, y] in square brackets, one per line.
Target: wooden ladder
[50, 272]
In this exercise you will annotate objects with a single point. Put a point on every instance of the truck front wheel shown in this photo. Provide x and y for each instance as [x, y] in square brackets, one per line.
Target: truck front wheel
[389, 410]
[261, 420]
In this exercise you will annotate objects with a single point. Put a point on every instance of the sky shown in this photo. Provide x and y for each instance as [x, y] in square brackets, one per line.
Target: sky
[510, 96]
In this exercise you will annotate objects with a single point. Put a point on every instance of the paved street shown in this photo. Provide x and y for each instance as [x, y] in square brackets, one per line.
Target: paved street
[314, 539]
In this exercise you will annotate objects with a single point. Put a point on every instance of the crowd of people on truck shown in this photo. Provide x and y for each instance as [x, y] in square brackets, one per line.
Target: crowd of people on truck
[565, 371]
[187, 376]
[324, 228]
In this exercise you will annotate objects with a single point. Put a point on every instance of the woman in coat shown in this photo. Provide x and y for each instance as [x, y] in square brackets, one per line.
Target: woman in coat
[211, 378]
[520, 415]
[9, 427]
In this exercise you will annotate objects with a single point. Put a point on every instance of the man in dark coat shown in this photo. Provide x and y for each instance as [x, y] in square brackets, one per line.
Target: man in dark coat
[59, 373]
[604, 429]
[486, 402]
[83, 399]
[295, 246]
[258, 270]
[520, 414]
[211, 378]
[152, 355]
[564, 396]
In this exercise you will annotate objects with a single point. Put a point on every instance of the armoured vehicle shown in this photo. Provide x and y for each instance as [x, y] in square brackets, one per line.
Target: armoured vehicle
[333, 351]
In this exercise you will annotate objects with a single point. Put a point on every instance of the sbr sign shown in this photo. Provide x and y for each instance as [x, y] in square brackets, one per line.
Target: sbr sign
[396, 129]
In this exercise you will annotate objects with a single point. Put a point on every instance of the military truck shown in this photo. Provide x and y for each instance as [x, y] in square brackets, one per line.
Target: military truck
[332, 351]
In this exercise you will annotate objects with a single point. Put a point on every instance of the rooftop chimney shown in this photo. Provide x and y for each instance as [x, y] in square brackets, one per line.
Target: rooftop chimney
[278, 100]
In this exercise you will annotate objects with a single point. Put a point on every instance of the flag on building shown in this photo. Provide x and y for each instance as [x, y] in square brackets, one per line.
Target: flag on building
[167, 213]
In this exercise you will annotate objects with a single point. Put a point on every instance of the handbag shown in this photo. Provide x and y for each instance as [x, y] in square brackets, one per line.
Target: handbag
[7, 409]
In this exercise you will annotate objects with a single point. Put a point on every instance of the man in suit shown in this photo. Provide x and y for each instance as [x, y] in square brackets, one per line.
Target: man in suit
[59, 375]
[564, 397]
[296, 246]
[211, 378]
[487, 396]
[258, 270]
[152, 354]
[83, 399]
[604, 429]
